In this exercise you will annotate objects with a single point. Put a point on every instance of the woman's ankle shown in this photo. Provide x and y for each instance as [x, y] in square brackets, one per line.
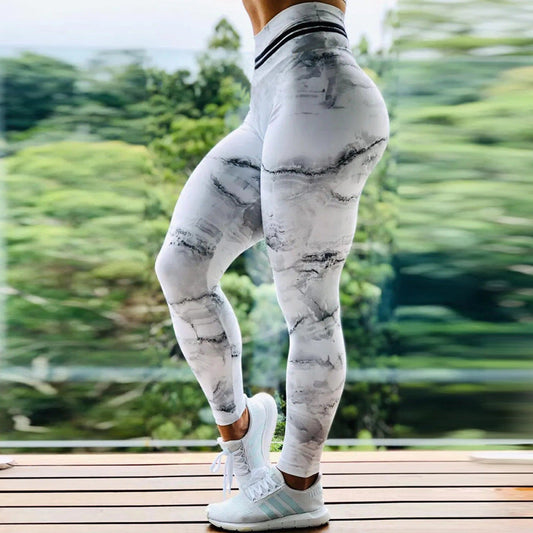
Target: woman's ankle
[237, 429]
[297, 482]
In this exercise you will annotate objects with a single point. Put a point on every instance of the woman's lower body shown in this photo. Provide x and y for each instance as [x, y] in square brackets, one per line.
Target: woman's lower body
[292, 173]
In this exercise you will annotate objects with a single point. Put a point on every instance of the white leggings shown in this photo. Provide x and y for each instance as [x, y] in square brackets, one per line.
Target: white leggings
[292, 173]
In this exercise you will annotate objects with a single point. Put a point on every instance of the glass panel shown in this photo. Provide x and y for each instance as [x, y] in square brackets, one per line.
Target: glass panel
[436, 294]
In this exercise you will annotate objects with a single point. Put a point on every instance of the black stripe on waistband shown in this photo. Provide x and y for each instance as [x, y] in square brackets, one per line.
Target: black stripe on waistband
[294, 31]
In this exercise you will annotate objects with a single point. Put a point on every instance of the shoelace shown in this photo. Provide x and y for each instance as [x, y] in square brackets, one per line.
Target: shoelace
[261, 484]
[238, 457]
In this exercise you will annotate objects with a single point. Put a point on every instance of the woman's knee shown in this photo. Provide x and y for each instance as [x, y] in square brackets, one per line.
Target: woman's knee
[179, 273]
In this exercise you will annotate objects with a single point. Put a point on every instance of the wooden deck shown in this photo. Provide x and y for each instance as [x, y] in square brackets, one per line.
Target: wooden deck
[370, 492]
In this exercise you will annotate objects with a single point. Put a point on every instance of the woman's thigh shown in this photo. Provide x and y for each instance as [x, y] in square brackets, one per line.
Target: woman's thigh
[218, 213]
[326, 135]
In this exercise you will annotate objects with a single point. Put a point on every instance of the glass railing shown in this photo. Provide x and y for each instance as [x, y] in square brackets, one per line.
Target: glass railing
[436, 295]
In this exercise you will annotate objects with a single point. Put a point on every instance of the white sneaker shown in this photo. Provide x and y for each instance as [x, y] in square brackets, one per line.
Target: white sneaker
[253, 450]
[268, 503]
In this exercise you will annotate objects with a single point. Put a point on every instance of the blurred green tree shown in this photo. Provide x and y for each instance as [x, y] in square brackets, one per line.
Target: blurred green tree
[34, 85]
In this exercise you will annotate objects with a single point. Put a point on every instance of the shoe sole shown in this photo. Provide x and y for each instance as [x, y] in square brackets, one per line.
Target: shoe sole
[270, 422]
[311, 519]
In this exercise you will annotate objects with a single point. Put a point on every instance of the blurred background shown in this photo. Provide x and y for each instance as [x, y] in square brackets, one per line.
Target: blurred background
[105, 110]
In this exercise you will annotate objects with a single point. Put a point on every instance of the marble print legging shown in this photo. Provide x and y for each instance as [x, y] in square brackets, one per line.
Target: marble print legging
[292, 173]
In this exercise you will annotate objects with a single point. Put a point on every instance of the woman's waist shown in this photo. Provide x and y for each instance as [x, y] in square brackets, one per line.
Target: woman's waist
[301, 56]
[300, 27]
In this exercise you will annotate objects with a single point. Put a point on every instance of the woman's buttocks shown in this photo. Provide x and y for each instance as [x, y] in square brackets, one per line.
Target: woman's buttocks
[313, 67]
[320, 66]
[299, 62]
[304, 65]
[321, 79]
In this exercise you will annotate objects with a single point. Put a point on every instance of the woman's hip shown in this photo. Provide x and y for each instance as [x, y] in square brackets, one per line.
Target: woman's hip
[323, 89]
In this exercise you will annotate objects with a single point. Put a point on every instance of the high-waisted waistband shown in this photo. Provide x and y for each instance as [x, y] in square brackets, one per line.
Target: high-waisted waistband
[293, 21]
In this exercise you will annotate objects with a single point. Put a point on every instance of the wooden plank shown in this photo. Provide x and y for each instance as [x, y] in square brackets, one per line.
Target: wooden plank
[6, 461]
[501, 457]
[348, 494]
[492, 525]
[338, 511]
[207, 457]
[417, 491]
[385, 468]
[214, 482]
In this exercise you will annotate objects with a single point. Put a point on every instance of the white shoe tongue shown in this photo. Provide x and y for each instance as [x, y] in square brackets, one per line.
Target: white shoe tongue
[277, 475]
[260, 473]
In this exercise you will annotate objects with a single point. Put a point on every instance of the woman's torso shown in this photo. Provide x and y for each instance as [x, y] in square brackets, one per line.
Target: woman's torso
[261, 11]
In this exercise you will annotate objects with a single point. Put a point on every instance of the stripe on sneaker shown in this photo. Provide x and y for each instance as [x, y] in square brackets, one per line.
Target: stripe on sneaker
[294, 31]
[290, 502]
[268, 511]
[276, 503]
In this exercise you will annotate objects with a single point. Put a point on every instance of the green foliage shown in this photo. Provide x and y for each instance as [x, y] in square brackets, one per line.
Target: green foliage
[224, 37]
[463, 286]
[219, 71]
[192, 116]
[438, 276]
[86, 219]
[116, 85]
[186, 143]
[33, 87]
[170, 94]
[68, 265]
[447, 29]
[48, 101]
[279, 432]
